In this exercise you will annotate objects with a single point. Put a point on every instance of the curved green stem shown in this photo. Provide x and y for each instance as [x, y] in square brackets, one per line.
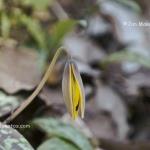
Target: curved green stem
[38, 89]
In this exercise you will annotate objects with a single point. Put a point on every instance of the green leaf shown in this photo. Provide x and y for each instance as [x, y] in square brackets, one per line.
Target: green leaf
[10, 139]
[128, 56]
[38, 4]
[1, 4]
[5, 25]
[59, 30]
[131, 4]
[34, 28]
[7, 103]
[56, 144]
[56, 128]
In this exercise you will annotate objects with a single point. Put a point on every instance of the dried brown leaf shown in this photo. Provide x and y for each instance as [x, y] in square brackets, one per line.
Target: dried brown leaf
[18, 70]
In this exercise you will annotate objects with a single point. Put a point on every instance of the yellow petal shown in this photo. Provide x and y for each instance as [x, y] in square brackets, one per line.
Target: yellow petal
[73, 90]
[79, 92]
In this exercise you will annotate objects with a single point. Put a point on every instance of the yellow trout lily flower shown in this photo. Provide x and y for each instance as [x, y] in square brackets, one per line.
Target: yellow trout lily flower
[73, 91]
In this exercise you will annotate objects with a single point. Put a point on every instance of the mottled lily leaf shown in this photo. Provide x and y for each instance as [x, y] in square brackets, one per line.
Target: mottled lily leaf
[56, 128]
[10, 139]
[7, 103]
[56, 144]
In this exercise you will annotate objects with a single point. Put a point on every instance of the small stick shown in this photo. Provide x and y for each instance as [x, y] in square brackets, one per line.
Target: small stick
[38, 89]
[59, 11]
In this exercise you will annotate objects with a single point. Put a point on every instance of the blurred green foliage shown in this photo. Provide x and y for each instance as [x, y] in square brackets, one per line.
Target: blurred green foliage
[130, 4]
[56, 144]
[37, 4]
[129, 57]
[55, 128]
[59, 30]
[30, 23]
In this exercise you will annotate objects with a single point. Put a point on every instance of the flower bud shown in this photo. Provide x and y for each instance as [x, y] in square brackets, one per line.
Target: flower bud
[73, 91]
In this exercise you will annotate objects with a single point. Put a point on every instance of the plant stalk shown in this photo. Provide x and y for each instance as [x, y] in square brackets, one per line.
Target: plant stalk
[38, 89]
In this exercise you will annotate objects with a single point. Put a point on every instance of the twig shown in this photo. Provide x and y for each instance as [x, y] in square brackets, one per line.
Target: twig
[38, 89]
[59, 11]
